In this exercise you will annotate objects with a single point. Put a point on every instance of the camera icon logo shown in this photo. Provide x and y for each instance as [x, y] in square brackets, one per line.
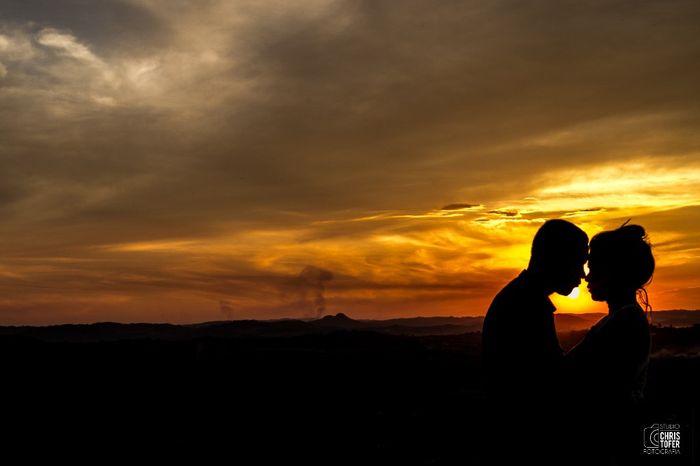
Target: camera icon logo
[651, 436]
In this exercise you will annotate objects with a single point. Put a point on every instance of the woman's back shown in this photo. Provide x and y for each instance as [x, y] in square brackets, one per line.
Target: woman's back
[612, 359]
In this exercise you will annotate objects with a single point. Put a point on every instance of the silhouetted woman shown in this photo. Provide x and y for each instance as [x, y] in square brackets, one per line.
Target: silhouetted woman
[607, 369]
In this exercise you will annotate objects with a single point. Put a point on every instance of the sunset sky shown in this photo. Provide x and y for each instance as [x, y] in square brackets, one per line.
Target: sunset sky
[175, 161]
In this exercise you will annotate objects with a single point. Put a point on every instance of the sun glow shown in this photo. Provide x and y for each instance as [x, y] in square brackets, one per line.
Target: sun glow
[576, 302]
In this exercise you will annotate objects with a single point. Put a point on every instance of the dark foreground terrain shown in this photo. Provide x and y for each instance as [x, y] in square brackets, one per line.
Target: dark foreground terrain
[330, 394]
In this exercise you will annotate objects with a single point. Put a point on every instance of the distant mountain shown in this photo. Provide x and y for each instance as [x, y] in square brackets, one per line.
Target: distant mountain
[675, 318]
[419, 326]
[338, 321]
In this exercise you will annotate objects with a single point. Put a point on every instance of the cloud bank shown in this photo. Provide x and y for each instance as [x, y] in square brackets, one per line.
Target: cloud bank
[160, 158]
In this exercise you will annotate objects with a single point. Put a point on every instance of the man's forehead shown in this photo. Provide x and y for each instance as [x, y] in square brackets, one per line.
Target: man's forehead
[577, 257]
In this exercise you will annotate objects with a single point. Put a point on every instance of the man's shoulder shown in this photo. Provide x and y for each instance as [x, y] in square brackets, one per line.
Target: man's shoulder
[511, 294]
[506, 305]
[519, 301]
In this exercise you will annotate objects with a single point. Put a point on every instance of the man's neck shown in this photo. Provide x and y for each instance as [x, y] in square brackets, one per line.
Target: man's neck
[538, 281]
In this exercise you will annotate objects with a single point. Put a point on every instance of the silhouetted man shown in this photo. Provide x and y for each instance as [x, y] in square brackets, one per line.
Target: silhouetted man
[521, 351]
[520, 347]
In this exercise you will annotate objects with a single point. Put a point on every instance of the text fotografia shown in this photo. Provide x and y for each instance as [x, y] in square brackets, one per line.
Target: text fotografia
[662, 439]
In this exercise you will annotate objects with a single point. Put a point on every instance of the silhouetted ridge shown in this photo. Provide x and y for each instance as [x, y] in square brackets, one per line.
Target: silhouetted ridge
[112, 331]
[341, 321]
[339, 317]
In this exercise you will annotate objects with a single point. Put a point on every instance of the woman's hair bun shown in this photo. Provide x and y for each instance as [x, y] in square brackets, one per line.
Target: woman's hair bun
[633, 231]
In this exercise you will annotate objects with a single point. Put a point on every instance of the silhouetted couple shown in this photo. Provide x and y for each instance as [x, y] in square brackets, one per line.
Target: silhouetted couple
[576, 407]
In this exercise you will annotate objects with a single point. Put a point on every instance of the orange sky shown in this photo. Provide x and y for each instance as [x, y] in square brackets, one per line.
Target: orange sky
[163, 161]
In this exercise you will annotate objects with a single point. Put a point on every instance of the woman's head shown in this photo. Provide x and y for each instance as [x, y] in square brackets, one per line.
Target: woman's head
[620, 263]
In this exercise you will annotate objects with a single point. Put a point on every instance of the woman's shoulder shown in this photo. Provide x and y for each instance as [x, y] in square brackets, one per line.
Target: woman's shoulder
[624, 319]
[631, 312]
[630, 318]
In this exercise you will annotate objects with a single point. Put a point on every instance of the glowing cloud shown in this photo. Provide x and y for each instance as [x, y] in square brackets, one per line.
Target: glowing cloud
[67, 44]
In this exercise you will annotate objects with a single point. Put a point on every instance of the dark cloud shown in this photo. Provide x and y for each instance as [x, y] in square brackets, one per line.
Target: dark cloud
[367, 104]
[459, 206]
[504, 213]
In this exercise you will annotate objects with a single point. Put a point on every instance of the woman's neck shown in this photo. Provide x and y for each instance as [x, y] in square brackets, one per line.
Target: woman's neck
[620, 300]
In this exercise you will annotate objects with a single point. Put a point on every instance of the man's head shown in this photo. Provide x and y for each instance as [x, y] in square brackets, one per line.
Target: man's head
[559, 251]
